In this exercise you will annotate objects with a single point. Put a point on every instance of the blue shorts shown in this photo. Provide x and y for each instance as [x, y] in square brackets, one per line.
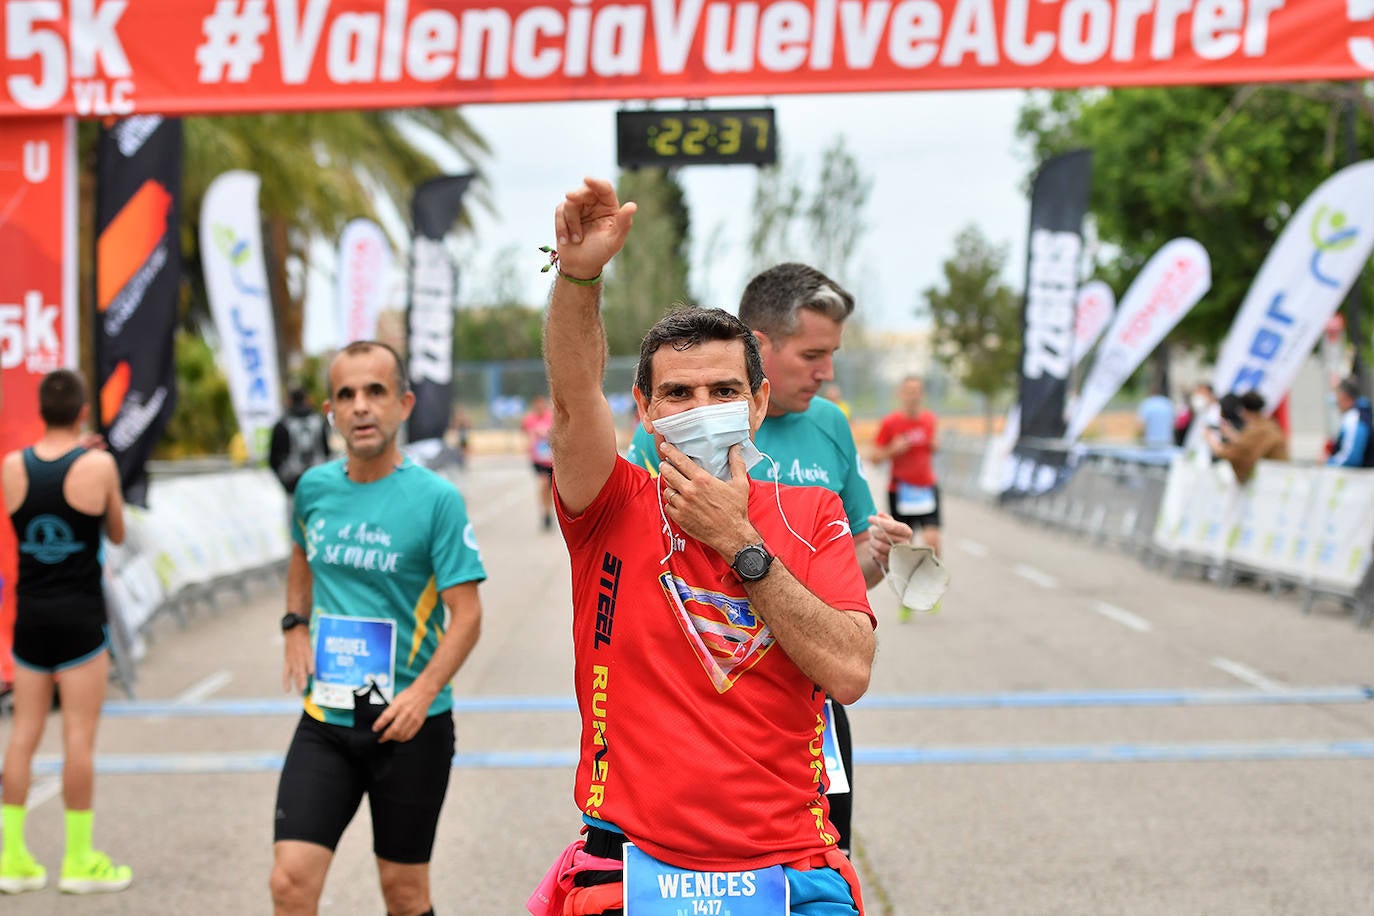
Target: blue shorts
[819, 892]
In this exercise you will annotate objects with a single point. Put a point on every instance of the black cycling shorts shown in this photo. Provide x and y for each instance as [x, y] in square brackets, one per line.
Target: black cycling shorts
[915, 522]
[329, 768]
[53, 634]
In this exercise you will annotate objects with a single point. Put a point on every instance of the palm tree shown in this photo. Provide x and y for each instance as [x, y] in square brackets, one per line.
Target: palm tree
[318, 171]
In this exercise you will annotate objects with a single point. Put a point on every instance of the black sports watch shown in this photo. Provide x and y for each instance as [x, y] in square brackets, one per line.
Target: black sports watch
[291, 621]
[752, 562]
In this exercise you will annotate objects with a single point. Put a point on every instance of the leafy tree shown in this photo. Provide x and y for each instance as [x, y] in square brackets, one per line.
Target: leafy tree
[203, 422]
[1225, 165]
[777, 202]
[499, 326]
[318, 171]
[651, 270]
[496, 332]
[977, 318]
[834, 217]
[830, 218]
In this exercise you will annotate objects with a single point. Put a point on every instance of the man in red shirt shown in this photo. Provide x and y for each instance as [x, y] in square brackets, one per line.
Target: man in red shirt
[712, 613]
[907, 438]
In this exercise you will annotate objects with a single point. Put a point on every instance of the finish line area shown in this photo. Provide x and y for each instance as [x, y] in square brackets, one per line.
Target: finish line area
[247, 762]
[1014, 753]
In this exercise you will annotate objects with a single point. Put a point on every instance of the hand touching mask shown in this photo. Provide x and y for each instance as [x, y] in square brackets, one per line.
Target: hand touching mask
[705, 435]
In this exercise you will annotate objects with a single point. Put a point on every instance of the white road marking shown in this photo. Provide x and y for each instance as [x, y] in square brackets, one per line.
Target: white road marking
[972, 547]
[1125, 618]
[44, 790]
[1247, 674]
[492, 511]
[204, 688]
[1031, 574]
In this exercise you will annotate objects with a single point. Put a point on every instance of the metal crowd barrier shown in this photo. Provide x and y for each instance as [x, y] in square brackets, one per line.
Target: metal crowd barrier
[1304, 529]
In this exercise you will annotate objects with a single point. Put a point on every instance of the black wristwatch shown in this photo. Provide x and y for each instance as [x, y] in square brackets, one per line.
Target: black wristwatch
[291, 621]
[752, 562]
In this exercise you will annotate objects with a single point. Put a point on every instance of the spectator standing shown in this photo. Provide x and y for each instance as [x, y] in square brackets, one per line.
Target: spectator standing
[1259, 438]
[300, 440]
[1352, 446]
[1156, 420]
[59, 496]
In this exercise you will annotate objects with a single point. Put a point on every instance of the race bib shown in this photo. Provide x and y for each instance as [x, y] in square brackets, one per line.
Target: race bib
[543, 452]
[834, 763]
[350, 653]
[915, 500]
[654, 888]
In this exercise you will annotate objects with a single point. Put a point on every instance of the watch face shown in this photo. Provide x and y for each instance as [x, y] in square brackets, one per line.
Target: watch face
[752, 563]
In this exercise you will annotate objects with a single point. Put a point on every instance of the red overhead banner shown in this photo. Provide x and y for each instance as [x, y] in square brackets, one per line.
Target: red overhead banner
[116, 57]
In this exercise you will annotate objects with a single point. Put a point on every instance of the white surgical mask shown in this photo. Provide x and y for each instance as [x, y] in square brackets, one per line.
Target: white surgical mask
[705, 434]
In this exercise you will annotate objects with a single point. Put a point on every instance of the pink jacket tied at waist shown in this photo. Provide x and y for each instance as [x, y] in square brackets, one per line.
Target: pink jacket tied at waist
[548, 898]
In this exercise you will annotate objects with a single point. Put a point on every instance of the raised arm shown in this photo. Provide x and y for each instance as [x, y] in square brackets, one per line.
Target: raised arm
[590, 226]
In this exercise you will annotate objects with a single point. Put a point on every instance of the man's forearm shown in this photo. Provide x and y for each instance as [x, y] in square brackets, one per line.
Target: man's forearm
[465, 626]
[574, 342]
[299, 583]
[830, 646]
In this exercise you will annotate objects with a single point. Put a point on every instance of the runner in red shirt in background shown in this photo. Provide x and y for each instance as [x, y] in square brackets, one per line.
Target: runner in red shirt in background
[537, 425]
[908, 439]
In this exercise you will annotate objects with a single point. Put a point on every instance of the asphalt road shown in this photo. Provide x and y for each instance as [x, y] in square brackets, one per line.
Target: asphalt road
[1073, 733]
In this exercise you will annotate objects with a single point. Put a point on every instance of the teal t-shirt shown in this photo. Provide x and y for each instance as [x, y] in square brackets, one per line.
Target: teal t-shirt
[813, 448]
[381, 551]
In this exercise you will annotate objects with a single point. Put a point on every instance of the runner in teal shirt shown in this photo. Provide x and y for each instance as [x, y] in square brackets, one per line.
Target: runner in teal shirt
[384, 550]
[382, 609]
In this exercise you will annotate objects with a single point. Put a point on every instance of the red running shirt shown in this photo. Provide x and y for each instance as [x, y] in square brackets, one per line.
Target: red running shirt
[912, 466]
[700, 737]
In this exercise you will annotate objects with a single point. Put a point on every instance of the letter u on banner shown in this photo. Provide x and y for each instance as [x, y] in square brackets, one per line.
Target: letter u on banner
[236, 282]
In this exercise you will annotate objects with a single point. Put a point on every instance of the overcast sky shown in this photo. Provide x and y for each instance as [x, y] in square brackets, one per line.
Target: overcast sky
[938, 161]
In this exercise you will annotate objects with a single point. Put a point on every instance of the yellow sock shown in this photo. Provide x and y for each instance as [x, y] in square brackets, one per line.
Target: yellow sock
[80, 825]
[12, 830]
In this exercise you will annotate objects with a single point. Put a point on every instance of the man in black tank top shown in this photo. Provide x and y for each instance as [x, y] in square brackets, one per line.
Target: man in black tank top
[58, 495]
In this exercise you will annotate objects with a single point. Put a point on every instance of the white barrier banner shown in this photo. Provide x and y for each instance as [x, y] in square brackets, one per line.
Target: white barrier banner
[364, 268]
[1201, 510]
[236, 282]
[1303, 280]
[1313, 525]
[1342, 529]
[1168, 286]
[1278, 511]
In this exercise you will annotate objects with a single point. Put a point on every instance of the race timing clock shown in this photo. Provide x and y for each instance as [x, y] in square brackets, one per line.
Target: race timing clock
[696, 136]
